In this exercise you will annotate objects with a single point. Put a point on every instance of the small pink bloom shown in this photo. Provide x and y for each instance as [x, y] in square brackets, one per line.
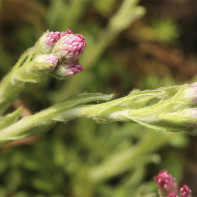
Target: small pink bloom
[69, 47]
[185, 191]
[166, 182]
[173, 195]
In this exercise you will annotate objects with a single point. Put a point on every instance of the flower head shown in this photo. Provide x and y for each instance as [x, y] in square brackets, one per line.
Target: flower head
[69, 47]
[166, 182]
[185, 191]
[65, 47]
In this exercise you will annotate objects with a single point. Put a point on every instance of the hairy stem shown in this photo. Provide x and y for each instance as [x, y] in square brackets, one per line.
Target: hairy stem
[166, 109]
[9, 86]
[41, 121]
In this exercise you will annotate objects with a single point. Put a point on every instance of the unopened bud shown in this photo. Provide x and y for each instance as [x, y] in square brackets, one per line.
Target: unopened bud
[182, 120]
[185, 191]
[65, 70]
[48, 40]
[69, 47]
[189, 95]
[45, 62]
[167, 183]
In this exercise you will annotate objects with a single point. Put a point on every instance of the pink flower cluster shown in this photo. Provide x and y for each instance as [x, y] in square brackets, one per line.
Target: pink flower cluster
[168, 186]
[66, 47]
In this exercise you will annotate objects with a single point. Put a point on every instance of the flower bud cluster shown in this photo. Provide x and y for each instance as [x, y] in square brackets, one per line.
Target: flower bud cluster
[168, 186]
[59, 52]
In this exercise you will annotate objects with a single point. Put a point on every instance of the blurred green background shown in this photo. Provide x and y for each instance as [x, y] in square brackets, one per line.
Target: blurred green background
[131, 44]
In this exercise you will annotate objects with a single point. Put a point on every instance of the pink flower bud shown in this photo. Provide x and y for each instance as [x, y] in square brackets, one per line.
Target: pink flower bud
[173, 195]
[69, 47]
[185, 191]
[69, 69]
[45, 62]
[52, 37]
[167, 184]
[51, 59]
[68, 31]
[48, 40]
[75, 69]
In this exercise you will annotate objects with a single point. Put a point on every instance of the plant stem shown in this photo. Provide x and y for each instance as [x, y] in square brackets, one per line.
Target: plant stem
[41, 121]
[9, 86]
[165, 109]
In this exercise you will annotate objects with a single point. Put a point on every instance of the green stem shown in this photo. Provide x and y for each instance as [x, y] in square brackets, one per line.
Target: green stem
[39, 122]
[9, 88]
[147, 108]
[11, 85]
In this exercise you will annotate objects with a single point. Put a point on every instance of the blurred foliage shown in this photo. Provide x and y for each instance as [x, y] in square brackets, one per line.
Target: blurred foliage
[126, 49]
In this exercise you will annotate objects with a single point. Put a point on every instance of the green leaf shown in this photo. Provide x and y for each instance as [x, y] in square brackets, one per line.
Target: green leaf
[10, 118]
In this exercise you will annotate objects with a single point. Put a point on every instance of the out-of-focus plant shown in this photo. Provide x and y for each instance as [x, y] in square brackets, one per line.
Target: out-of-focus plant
[163, 30]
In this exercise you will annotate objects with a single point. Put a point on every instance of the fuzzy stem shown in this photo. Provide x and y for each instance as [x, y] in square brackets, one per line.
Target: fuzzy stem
[41, 121]
[9, 86]
[166, 109]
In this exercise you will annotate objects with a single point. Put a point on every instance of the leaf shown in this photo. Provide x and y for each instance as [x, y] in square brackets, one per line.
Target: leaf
[76, 101]
[10, 118]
